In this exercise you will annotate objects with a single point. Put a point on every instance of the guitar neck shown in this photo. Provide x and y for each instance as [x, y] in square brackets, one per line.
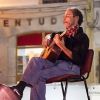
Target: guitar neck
[62, 34]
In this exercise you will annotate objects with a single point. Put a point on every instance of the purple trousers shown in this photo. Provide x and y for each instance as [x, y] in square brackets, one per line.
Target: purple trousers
[39, 70]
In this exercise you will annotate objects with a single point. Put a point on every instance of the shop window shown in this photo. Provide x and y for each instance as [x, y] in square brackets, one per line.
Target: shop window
[24, 55]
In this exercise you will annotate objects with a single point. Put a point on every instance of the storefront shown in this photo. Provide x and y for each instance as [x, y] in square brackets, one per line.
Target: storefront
[22, 29]
[21, 33]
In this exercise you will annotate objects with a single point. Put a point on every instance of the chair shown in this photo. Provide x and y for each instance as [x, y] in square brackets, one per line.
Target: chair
[84, 74]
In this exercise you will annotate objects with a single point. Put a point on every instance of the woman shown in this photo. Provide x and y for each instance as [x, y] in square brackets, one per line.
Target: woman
[74, 46]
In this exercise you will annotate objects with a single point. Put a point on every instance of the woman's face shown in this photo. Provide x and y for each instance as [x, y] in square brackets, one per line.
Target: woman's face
[69, 19]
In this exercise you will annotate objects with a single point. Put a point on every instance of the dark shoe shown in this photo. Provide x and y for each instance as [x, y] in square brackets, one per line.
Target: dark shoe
[16, 91]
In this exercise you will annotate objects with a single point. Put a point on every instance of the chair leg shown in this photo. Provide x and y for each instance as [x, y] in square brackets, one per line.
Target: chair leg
[86, 90]
[64, 90]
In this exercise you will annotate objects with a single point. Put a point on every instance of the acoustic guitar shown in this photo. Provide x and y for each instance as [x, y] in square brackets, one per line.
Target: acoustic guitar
[52, 52]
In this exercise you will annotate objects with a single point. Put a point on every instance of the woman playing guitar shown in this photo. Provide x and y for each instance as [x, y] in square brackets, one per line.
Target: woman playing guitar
[73, 44]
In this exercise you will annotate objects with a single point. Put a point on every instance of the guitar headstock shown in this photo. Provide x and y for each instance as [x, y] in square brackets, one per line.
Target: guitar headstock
[72, 30]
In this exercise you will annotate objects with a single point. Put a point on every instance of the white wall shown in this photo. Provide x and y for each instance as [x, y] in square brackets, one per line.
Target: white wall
[10, 3]
[74, 92]
[97, 26]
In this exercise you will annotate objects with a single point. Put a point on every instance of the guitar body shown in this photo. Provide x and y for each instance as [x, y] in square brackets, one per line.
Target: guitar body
[51, 53]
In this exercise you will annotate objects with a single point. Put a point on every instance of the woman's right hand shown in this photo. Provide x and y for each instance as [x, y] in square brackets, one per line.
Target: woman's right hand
[46, 42]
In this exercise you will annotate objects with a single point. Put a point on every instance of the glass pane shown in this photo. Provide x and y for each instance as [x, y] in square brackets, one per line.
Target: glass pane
[23, 57]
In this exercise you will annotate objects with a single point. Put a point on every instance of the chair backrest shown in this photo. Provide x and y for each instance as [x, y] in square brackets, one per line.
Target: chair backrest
[88, 62]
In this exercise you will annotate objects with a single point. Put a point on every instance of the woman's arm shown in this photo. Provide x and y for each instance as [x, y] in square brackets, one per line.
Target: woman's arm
[61, 44]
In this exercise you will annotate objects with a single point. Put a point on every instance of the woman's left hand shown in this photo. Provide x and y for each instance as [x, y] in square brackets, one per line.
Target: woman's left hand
[59, 41]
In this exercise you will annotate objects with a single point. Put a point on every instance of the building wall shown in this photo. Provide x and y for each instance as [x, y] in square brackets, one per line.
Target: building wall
[10, 3]
[15, 22]
[96, 40]
[18, 22]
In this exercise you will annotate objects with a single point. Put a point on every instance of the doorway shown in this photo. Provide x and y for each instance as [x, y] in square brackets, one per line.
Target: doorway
[28, 46]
